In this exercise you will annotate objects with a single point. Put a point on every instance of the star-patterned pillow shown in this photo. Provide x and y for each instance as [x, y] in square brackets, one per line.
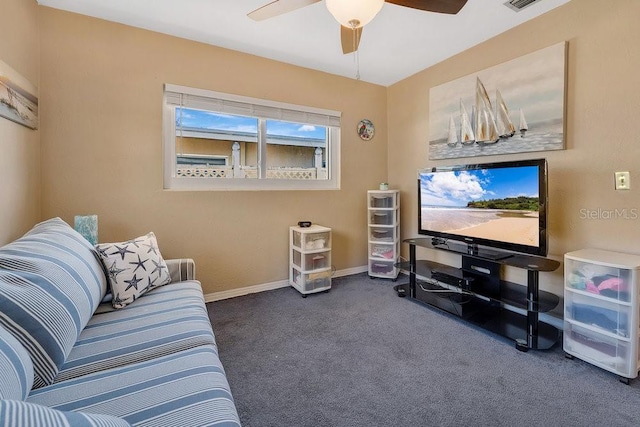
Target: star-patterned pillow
[134, 267]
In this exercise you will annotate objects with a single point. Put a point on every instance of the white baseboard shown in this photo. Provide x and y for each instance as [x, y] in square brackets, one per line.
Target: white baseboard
[350, 271]
[232, 293]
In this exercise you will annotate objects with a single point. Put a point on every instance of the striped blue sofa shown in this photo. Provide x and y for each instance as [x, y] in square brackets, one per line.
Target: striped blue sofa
[67, 359]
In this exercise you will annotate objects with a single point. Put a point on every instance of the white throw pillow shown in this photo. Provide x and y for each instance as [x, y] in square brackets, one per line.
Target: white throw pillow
[135, 267]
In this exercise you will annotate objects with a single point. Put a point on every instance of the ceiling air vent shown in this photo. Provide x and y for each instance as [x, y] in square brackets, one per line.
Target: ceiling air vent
[518, 5]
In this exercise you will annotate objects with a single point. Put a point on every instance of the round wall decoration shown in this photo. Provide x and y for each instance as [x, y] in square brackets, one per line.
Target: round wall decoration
[366, 129]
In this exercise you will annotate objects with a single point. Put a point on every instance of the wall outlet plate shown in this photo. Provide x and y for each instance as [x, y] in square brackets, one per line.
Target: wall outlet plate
[623, 181]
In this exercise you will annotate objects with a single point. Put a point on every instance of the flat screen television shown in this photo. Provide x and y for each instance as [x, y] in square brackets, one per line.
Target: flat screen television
[492, 205]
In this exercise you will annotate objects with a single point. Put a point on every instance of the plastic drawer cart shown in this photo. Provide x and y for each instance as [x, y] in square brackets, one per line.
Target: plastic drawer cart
[384, 233]
[601, 322]
[310, 259]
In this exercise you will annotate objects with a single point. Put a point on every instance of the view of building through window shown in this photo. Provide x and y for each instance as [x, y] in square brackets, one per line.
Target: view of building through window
[220, 141]
[221, 145]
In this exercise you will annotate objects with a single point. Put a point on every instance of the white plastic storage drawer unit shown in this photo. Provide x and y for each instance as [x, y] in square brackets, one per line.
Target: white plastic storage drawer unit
[310, 259]
[601, 320]
[383, 232]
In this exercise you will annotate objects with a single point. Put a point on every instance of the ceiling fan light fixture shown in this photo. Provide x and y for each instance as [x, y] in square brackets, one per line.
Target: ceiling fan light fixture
[354, 13]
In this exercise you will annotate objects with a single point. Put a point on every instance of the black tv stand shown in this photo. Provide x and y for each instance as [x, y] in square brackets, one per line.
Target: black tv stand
[471, 249]
[476, 292]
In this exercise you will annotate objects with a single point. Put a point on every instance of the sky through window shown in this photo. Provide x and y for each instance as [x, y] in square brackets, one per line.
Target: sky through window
[199, 119]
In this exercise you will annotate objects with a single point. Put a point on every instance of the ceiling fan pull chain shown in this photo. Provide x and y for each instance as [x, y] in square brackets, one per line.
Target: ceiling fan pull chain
[356, 56]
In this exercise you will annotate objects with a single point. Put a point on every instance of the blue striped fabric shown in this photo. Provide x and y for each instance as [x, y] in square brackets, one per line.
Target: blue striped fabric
[181, 269]
[188, 388]
[166, 320]
[51, 281]
[16, 369]
[22, 414]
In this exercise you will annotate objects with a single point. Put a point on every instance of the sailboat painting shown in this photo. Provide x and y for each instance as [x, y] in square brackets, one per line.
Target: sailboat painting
[18, 98]
[498, 99]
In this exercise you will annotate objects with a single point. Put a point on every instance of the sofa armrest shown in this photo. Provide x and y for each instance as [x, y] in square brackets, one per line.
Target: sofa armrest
[181, 269]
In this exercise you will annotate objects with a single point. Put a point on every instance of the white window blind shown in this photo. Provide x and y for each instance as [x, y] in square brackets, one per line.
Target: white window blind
[244, 106]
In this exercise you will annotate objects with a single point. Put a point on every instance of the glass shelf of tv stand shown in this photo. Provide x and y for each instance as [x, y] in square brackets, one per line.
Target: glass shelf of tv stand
[486, 306]
[493, 317]
[512, 294]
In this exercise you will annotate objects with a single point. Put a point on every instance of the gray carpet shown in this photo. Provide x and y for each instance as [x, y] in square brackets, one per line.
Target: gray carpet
[361, 356]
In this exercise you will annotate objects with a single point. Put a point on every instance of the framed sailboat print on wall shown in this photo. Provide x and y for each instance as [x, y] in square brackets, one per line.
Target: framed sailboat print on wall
[18, 98]
[514, 107]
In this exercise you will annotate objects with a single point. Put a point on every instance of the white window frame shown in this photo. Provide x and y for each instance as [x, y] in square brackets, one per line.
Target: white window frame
[187, 97]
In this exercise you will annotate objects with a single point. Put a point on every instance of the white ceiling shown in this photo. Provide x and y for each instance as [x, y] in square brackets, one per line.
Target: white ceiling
[398, 43]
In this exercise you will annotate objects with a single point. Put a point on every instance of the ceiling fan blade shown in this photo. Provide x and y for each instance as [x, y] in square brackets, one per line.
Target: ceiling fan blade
[350, 38]
[278, 7]
[441, 6]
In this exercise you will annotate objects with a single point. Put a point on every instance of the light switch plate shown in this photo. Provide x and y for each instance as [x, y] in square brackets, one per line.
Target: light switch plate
[623, 181]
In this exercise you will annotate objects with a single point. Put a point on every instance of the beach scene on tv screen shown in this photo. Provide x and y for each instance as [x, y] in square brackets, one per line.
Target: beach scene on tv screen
[497, 204]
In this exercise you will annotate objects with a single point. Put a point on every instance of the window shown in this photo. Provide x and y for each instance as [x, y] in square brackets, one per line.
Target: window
[215, 141]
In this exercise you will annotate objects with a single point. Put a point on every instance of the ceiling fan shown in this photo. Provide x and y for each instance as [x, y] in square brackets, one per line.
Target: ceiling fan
[354, 14]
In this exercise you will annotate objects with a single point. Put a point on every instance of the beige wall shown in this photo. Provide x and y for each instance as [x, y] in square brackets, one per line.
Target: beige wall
[102, 117]
[101, 137]
[603, 104]
[19, 146]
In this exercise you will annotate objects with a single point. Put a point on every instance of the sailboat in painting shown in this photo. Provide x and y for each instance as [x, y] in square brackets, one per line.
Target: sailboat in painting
[452, 140]
[505, 126]
[523, 124]
[484, 127]
[486, 130]
[467, 135]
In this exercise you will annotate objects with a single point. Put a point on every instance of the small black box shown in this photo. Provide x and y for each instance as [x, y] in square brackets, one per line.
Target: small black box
[457, 303]
[486, 275]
